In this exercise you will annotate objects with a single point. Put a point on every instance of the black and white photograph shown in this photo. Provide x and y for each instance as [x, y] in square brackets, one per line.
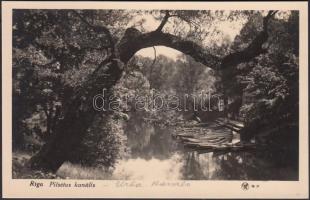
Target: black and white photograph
[155, 94]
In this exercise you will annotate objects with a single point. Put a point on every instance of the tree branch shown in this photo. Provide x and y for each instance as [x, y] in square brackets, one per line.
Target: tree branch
[130, 45]
[155, 56]
[151, 66]
[253, 50]
[163, 22]
[270, 14]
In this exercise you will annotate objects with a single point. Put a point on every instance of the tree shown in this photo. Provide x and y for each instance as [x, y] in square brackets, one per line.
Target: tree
[271, 108]
[34, 26]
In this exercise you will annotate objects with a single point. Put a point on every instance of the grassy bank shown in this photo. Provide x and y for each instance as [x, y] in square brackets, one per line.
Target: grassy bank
[20, 170]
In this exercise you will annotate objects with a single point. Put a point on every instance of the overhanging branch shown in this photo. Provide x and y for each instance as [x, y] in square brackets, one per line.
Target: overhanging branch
[253, 50]
[129, 46]
[163, 22]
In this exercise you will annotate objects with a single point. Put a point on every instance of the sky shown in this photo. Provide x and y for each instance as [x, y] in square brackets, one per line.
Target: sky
[160, 50]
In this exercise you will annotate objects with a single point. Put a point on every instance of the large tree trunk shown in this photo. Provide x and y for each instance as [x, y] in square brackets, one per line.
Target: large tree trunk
[78, 117]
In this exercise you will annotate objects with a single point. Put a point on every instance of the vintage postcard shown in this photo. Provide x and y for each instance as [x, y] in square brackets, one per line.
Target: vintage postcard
[155, 99]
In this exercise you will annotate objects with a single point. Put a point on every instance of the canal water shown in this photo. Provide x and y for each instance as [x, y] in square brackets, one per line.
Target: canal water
[156, 155]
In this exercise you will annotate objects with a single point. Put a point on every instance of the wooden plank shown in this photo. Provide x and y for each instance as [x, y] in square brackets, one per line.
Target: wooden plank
[231, 122]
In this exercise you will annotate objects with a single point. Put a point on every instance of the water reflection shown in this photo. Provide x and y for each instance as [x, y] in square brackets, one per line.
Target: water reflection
[151, 169]
[156, 155]
[149, 141]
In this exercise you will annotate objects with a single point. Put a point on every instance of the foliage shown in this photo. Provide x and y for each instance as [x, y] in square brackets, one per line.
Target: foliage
[103, 144]
[56, 51]
[20, 170]
[271, 93]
